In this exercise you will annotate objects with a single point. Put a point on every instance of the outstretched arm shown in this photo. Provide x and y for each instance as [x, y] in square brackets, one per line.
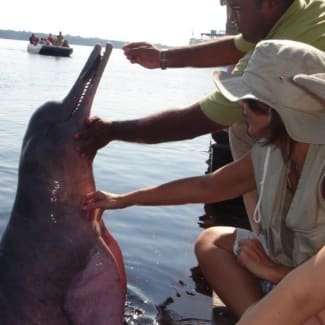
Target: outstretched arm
[227, 182]
[171, 125]
[214, 53]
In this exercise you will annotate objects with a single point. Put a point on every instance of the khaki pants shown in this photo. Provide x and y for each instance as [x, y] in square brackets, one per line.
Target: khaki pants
[241, 143]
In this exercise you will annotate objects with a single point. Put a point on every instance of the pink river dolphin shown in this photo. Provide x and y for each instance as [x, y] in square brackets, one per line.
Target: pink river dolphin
[56, 266]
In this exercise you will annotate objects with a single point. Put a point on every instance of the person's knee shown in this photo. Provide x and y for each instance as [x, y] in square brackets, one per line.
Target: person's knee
[212, 238]
[203, 240]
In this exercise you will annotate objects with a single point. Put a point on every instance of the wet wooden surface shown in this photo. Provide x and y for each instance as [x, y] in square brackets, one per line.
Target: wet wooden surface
[220, 314]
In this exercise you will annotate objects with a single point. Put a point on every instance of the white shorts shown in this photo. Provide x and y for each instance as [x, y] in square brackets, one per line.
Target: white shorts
[266, 286]
[247, 234]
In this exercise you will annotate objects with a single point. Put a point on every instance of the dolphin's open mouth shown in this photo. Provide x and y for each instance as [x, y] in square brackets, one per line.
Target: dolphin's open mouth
[80, 98]
[87, 78]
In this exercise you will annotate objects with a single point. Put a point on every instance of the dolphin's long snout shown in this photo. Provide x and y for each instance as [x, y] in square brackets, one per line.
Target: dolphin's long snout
[78, 102]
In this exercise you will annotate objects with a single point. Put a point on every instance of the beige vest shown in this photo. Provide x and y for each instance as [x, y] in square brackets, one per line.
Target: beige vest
[294, 226]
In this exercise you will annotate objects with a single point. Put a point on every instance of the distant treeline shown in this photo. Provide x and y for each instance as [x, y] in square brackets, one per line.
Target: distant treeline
[23, 35]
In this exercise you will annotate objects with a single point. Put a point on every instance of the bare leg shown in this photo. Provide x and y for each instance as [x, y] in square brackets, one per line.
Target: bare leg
[236, 286]
[299, 298]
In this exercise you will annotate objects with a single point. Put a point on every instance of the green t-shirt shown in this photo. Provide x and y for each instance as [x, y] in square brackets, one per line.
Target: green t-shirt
[304, 21]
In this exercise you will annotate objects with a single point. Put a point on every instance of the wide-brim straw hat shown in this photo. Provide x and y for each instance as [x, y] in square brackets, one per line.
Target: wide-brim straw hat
[281, 74]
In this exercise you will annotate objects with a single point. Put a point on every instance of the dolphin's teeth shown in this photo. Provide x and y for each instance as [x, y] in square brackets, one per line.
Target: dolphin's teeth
[87, 86]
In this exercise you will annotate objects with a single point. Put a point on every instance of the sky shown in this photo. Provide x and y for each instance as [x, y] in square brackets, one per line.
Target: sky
[169, 22]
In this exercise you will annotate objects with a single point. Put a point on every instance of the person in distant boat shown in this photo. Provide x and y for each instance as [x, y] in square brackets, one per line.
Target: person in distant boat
[44, 41]
[59, 39]
[51, 39]
[286, 166]
[299, 20]
[33, 39]
[65, 43]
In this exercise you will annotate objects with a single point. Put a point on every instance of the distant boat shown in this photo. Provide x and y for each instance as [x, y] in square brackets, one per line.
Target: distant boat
[207, 37]
[53, 50]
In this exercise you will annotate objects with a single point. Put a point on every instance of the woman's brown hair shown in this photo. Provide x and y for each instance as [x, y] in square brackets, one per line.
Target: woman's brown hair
[279, 136]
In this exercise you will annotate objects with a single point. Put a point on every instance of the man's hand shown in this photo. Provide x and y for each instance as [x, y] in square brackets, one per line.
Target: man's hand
[143, 53]
[95, 135]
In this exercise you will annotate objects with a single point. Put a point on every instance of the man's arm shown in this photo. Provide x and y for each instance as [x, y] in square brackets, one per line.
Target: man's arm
[210, 54]
[214, 53]
[170, 125]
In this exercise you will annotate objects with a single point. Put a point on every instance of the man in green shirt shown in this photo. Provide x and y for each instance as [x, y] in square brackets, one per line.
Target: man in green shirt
[303, 21]
[299, 20]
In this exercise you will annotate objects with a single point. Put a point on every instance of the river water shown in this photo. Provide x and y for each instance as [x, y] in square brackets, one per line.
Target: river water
[157, 242]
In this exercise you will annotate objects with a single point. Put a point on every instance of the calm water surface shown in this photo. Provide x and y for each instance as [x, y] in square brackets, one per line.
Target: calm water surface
[157, 242]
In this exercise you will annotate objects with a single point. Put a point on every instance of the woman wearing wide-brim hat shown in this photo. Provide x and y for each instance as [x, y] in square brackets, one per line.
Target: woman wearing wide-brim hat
[286, 167]
[300, 297]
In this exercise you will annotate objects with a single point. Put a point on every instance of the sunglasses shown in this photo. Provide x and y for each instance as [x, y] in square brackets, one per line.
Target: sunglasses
[256, 107]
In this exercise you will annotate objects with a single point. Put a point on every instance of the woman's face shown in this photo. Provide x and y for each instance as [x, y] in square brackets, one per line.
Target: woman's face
[257, 116]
